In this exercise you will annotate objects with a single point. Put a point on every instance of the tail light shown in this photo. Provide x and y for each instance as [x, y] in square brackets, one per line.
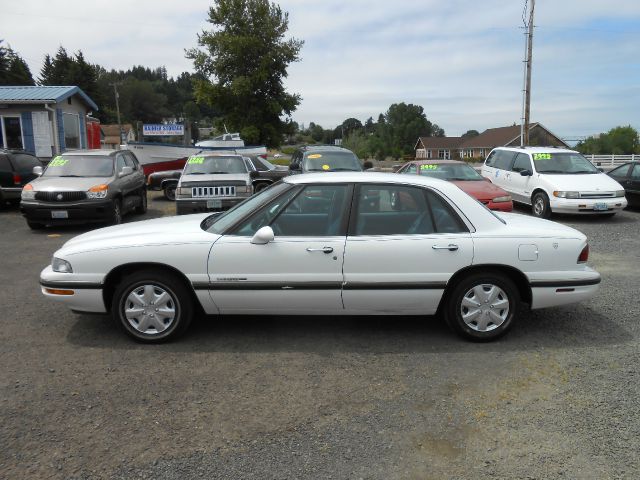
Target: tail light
[17, 180]
[584, 254]
[263, 156]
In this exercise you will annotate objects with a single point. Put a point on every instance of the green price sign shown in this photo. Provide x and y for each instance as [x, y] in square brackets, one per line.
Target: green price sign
[58, 162]
[428, 167]
[199, 160]
[542, 156]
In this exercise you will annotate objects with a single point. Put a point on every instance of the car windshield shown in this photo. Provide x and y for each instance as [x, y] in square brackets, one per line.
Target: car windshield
[450, 171]
[331, 162]
[218, 223]
[201, 165]
[79, 166]
[562, 163]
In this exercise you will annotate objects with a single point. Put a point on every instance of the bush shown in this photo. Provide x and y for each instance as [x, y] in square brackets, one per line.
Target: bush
[288, 150]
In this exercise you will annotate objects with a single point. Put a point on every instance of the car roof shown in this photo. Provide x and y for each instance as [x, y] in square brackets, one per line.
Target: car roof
[365, 177]
[92, 153]
[318, 148]
[537, 149]
[218, 154]
[435, 161]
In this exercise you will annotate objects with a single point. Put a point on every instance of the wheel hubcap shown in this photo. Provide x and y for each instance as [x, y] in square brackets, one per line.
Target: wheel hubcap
[539, 207]
[150, 309]
[484, 307]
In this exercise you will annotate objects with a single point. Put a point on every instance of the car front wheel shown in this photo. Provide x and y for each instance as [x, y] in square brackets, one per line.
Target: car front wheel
[142, 208]
[540, 205]
[483, 306]
[116, 212]
[170, 192]
[152, 306]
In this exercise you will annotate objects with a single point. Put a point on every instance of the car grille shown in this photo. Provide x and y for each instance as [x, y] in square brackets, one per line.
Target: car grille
[207, 192]
[597, 194]
[60, 196]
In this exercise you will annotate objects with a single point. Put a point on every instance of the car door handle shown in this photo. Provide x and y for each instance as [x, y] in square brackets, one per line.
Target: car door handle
[451, 247]
[323, 249]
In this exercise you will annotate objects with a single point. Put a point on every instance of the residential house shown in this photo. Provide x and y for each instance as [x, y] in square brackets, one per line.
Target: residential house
[437, 147]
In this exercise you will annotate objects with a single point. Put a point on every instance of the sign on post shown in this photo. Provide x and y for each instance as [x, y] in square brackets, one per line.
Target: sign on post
[158, 129]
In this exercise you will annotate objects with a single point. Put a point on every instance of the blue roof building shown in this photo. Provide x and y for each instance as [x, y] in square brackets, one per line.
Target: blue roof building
[44, 120]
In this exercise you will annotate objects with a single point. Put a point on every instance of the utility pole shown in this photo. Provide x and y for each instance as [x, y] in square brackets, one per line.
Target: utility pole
[115, 92]
[526, 107]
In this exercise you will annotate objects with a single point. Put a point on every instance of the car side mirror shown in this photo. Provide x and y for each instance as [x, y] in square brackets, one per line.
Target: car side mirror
[125, 171]
[263, 236]
[254, 174]
[294, 167]
[37, 170]
[526, 173]
[600, 169]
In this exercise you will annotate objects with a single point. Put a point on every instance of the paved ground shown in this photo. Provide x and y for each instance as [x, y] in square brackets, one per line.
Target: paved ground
[320, 397]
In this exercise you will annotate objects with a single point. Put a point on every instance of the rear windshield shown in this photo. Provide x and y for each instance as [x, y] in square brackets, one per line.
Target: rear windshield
[80, 166]
[562, 163]
[331, 162]
[201, 165]
[25, 163]
[450, 171]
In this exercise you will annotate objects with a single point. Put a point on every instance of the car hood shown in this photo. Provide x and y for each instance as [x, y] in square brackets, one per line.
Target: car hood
[167, 230]
[480, 189]
[67, 184]
[218, 177]
[533, 227]
[583, 182]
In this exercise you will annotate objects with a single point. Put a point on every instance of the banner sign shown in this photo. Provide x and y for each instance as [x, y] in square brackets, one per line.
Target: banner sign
[162, 129]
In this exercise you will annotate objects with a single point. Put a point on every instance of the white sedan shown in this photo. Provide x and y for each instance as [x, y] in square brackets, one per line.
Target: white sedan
[327, 244]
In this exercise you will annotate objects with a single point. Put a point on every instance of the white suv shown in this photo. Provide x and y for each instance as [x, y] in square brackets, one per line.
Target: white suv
[553, 180]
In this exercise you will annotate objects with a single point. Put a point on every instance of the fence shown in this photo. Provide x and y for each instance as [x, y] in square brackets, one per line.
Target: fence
[611, 160]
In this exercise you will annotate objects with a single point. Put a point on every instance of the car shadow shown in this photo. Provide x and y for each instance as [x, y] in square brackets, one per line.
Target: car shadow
[558, 328]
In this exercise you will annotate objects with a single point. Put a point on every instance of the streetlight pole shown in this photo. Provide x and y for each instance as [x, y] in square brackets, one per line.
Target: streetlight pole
[115, 92]
[524, 128]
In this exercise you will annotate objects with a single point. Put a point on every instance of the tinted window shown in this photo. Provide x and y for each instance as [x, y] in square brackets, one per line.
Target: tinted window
[79, 166]
[635, 173]
[402, 210]
[491, 159]
[620, 172]
[5, 166]
[521, 163]
[259, 166]
[330, 161]
[317, 211]
[266, 215]
[503, 159]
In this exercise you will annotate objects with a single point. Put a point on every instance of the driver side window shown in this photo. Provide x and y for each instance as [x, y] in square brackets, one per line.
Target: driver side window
[521, 163]
[120, 163]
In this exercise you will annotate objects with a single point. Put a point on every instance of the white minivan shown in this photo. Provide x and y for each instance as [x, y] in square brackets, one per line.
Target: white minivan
[553, 180]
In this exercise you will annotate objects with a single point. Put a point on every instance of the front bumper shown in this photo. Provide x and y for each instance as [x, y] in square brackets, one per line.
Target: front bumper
[587, 206]
[79, 294]
[187, 205]
[87, 211]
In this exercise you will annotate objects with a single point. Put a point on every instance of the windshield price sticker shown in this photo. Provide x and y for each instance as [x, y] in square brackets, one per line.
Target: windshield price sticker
[315, 155]
[326, 167]
[542, 156]
[428, 167]
[198, 160]
[58, 162]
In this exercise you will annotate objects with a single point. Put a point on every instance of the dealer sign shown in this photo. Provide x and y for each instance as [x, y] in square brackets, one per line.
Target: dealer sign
[162, 129]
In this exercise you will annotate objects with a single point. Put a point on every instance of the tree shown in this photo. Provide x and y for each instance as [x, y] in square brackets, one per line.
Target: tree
[358, 143]
[403, 125]
[349, 126]
[617, 141]
[470, 134]
[242, 66]
[13, 69]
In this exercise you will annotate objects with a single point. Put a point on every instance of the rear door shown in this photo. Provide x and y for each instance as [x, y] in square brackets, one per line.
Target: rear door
[634, 183]
[402, 250]
[6, 172]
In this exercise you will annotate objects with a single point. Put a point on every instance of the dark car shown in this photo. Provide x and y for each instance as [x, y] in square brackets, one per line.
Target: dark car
[16, 170]
[324, 158]
[267, 173]
[628, 175]
[85, 187]
[166, 181]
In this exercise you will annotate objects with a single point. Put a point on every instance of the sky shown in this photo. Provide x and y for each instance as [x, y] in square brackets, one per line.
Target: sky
[461, 60]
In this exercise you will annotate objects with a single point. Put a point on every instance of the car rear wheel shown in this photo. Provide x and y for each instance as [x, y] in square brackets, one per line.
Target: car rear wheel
[142, 208]
[170, 192]
[116, 213]
[483, 306]
[540, 205]
[152, 306]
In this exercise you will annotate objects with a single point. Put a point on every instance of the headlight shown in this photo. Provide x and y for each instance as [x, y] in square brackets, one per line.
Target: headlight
[98, 191]
[562, 194]
[619, 193]
[184, 192]
[61, 266]
[28, 193]
[506, 198]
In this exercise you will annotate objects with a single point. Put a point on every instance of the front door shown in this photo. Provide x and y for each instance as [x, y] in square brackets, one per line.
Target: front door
[300, 271]
[521, 185]
[401, 250]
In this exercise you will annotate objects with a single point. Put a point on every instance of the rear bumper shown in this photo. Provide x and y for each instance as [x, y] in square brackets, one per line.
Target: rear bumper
[77, 212]
[587, 206]
[187, 206]
[555, 293]
[10, 193]
[500, 206]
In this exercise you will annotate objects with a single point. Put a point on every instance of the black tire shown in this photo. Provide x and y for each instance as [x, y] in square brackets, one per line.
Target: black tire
[116, 212]
[540, 205]
[170, 192]
[146, 328]
[35, 226]
[260, 186]
[486, 328]
[142, 208]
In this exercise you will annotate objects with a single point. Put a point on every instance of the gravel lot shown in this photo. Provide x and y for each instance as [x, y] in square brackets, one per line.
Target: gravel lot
[260, 398]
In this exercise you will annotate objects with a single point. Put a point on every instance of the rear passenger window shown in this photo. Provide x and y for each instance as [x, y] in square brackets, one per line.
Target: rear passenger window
[402, 210]
[503, 159]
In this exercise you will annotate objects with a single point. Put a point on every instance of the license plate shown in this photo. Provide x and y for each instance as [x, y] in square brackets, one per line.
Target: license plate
[600, 206]
[214, 203]
[59, 214]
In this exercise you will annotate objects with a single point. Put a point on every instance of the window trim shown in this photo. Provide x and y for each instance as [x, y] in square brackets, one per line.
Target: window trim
[4, 131]
[77, 115]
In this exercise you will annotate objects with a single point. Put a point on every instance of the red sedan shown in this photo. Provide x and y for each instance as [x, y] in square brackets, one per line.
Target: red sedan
[465, 177]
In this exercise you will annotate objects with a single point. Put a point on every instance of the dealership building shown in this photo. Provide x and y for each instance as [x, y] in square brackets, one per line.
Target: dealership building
[45, 120]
